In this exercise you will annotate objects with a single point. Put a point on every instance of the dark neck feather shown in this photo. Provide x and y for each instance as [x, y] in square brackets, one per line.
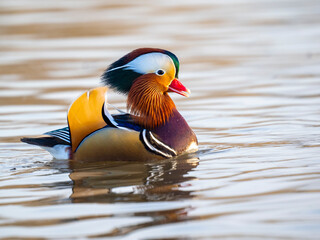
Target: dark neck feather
[150, 105]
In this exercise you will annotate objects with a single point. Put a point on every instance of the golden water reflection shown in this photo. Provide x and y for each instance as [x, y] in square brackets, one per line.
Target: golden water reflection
[104, 182]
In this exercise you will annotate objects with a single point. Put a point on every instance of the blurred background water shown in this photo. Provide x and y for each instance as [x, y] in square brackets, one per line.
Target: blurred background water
[253, 67]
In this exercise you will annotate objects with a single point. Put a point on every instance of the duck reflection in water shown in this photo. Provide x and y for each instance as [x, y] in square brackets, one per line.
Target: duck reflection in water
[121, 181]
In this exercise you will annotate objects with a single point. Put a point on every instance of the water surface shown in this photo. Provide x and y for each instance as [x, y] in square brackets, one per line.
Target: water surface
[253, 69]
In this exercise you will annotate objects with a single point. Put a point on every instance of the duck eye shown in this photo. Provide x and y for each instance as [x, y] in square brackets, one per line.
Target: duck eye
[160, 72]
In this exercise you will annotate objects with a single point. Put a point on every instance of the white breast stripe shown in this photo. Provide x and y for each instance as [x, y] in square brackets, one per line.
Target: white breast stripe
[162, 144]
[151, 147]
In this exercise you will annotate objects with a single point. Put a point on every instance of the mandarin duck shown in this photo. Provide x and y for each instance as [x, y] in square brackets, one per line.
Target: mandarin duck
[152, 129]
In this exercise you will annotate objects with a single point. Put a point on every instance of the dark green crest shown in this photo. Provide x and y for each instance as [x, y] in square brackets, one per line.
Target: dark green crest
[175, 61]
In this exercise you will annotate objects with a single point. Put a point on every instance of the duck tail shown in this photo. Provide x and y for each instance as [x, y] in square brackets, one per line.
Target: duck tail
[58, 148]
[56, 142]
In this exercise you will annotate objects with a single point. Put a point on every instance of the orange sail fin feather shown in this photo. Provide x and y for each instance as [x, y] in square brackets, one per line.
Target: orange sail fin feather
[84, 115]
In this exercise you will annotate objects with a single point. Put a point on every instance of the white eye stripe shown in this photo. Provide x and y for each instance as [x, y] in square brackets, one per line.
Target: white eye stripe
[112, 69]
[150, 63]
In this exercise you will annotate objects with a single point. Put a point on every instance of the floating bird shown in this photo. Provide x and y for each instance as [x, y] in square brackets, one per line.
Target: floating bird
[152, 129]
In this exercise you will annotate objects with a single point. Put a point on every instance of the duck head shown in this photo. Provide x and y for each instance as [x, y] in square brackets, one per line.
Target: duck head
[146, 75]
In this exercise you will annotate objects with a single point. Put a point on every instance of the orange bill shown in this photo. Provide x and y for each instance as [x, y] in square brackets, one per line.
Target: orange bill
[85, 115]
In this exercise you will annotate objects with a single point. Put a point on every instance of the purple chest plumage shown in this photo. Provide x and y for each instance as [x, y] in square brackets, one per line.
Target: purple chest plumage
[176, 133]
